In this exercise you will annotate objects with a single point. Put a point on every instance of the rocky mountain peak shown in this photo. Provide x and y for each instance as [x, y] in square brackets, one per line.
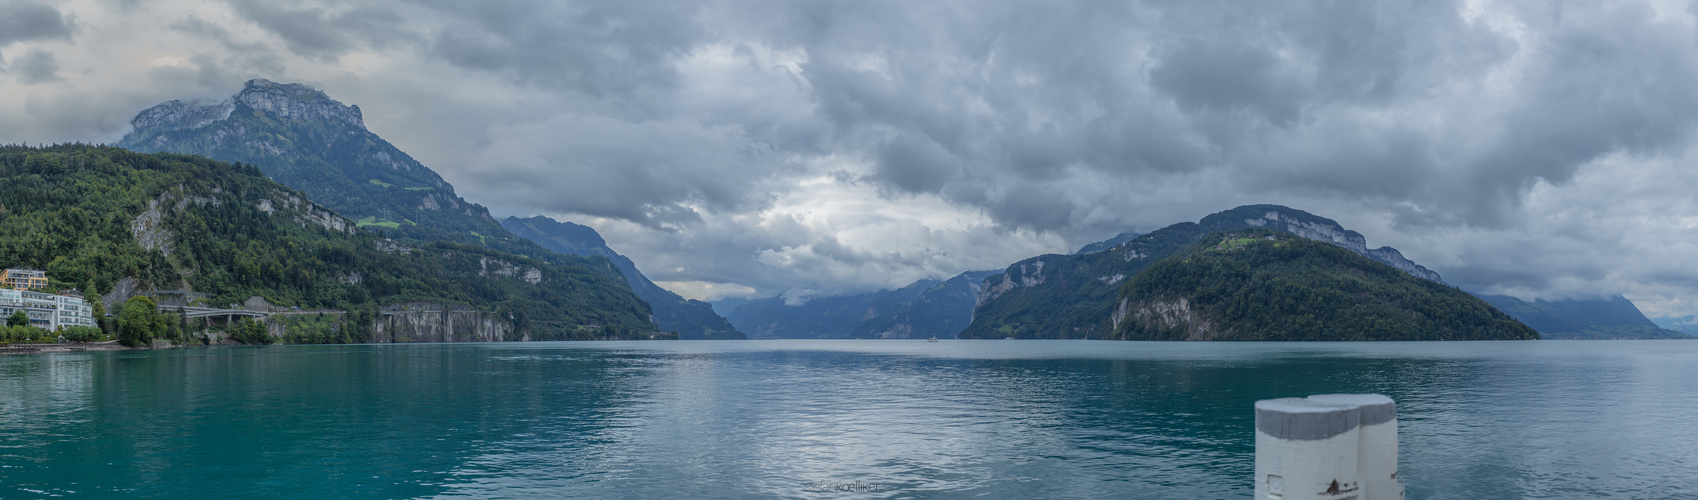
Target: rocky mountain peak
[182, 115]
[295, 100]
[284, 100]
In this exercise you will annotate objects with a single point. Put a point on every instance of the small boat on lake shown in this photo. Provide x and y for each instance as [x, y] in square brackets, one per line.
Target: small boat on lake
[932, 339]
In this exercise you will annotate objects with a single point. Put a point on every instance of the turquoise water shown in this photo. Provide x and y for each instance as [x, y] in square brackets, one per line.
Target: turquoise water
[798, 419]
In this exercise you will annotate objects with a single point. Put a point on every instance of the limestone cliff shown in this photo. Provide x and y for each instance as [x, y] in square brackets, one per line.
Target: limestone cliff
[1325, 230]
[435, 322]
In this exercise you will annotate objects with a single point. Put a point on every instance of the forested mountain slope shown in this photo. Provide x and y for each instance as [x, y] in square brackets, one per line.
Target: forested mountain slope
[1259, 284]
[111, 221]
[692, 319]
[1069, 296]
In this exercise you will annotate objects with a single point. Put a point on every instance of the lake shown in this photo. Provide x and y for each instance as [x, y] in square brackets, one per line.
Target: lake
[809, 419]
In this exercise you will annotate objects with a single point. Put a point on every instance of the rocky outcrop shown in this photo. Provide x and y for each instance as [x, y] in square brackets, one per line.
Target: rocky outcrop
[433, 322]
[1018, 275]
[182, 115]
[502, 268]
[312, 213]
[1171, 314]
[297, 101]
[150, 231]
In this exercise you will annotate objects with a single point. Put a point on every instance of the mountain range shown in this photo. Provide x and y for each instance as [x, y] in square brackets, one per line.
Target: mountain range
[1050, 296]
[302, 138]
[924, 308]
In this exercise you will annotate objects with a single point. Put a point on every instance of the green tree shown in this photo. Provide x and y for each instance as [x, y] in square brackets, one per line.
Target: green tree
[19, 318]
[139, 321]
[251, 332]
[98, 310]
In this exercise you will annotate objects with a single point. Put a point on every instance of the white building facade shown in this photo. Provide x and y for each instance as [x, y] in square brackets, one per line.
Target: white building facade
[47, 311]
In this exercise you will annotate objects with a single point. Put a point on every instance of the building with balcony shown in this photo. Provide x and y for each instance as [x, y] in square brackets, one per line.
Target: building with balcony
[45, 310]
[24, 279]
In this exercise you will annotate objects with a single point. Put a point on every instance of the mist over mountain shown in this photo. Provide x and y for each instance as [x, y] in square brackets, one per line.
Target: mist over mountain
[1584, 319]
[925, 308]
[1685, 324]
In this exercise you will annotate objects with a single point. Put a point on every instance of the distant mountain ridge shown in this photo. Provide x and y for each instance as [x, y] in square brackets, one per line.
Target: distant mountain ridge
[924, 308]
[1608, 318]
[693, 319]
[1103, 246]
[1687, 324]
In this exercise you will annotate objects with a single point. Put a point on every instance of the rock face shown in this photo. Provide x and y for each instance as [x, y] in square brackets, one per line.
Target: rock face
[180, 115]
[1327, 231]
[279, 100]
[1172, 314]
[432, 322]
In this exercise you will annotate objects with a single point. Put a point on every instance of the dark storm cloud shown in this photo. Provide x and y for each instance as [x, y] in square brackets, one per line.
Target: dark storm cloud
[1045, 116]
[1206, 76]
[593, 47]
[29, 21]
[640, 172]
[1025, 94]
[323, 33]
[1611, 81]
[916, 166]
[36, 67]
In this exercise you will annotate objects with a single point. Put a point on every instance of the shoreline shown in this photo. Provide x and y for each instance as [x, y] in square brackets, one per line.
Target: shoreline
[16, 349]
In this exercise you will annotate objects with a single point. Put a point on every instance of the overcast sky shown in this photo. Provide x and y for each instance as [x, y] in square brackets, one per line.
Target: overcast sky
[819, 147]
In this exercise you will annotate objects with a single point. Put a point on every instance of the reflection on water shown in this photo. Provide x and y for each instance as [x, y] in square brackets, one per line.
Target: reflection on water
[1028, 419]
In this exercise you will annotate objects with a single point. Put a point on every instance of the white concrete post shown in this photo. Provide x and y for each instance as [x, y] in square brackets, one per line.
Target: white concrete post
[1333, 446]
[1376, 464]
